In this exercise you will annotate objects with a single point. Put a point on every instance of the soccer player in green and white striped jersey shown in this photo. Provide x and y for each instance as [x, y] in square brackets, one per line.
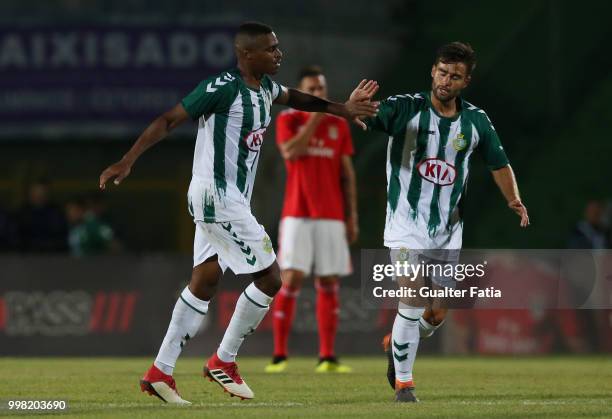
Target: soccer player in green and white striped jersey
[432, 136]
[233, 112]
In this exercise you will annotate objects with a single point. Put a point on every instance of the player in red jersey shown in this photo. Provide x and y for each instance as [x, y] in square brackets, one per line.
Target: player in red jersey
[319, 219]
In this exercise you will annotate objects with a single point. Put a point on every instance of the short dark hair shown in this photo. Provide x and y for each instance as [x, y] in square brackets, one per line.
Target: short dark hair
[252, 29]
[310, 71]
[457, 52]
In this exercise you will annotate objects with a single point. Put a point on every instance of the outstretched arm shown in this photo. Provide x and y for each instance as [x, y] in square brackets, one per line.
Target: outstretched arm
[155, 132]
[358, 106]
[506, 182]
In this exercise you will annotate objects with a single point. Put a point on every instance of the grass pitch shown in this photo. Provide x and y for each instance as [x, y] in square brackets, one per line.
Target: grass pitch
[448, 387]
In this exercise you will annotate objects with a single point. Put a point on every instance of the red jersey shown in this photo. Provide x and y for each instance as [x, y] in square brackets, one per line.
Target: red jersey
[313, 188]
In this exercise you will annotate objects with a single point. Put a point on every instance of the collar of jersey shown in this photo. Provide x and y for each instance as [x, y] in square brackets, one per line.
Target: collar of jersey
[427, 96]
[236, 72]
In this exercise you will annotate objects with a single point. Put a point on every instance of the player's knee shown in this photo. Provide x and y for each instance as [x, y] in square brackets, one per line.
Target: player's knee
[205, 279]
[269, 284]
[269, 280]
[292, 279]
[327, 281]
[204, 283]
[437, 317]
[275, 284]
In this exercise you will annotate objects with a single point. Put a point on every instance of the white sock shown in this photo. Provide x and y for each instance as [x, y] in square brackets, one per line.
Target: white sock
[188, 314]
[427, 329]
[251, 307]
[405, 341]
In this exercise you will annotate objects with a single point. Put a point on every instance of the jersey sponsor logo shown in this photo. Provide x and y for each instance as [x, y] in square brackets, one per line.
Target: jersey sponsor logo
[459, 142]
[437, 171]
[320, 152]
[254, 139]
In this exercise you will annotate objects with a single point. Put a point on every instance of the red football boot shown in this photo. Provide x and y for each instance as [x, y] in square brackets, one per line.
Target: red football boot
[227, 376]
[156, 383]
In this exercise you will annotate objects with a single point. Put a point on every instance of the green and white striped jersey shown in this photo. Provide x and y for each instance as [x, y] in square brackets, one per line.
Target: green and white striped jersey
[427, 168]
[232, 119]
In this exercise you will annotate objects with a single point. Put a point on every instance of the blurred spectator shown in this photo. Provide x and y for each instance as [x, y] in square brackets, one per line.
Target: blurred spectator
[41, 223]
[590, 232]
[88, 235]
[95, 202]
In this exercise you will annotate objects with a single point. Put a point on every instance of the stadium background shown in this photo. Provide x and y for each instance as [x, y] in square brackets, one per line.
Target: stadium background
[543, 77]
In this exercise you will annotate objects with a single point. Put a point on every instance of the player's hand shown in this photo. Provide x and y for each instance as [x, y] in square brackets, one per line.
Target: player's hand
[520, 210]
[117, 171]
[352, 230]
[360, 104]
[365, 90]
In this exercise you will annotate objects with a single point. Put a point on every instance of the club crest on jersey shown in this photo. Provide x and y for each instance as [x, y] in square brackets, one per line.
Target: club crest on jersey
[267, 244]
[402, 254]
[459, 142]
[333, 133]
[437, 171]
[254, 139]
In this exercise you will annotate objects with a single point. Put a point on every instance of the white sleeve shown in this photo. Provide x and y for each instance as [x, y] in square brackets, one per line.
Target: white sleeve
[277, 89]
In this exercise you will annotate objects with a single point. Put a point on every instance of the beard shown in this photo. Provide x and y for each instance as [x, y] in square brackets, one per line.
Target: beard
[451, 95]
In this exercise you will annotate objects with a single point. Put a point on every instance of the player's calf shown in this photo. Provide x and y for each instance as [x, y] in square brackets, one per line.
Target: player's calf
[386, 343]
[404, 343]
[427, 329]
[268, 281]
[431, 321]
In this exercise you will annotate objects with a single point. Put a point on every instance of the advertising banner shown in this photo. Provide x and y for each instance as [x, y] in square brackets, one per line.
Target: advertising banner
[121, 305]
[109, 80]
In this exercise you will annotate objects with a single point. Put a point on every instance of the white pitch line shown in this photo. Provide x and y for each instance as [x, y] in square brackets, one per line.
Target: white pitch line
[250, 404]
[244, 404]
[528, 402]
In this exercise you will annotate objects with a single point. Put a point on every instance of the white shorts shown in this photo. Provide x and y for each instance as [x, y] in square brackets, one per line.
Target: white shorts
[433, 257]
[314, 245]
[241, 245]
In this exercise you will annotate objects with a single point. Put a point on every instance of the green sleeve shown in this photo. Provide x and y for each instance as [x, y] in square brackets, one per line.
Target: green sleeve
[386, 118]
[490, 146]
[210, 96]
[394, 113]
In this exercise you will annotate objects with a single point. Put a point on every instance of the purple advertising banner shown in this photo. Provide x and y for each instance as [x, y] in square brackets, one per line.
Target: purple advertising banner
[102, 80]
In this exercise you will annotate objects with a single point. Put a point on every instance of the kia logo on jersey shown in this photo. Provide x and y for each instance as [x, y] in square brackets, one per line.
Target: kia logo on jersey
[254, 139]
[437, 171]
